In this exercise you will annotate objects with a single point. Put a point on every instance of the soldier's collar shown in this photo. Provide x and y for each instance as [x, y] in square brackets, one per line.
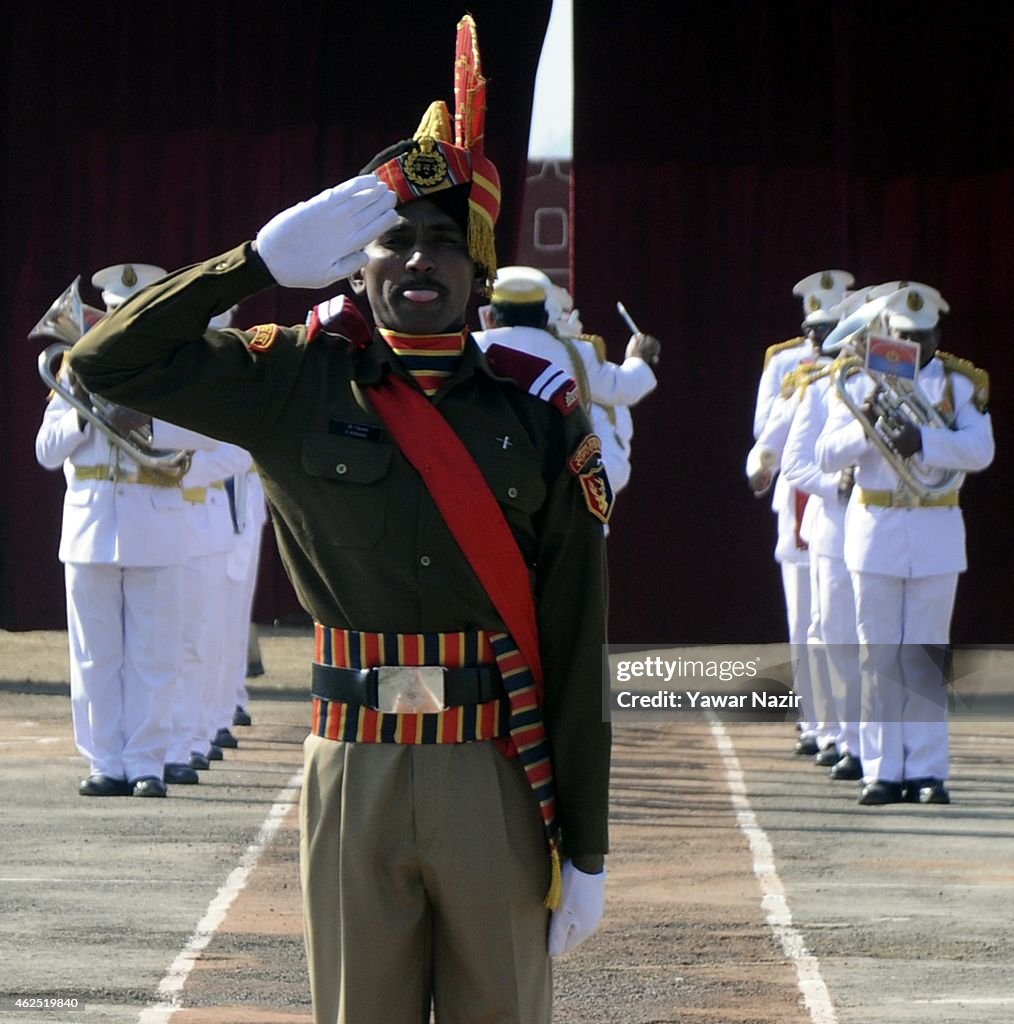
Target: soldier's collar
[372, 361]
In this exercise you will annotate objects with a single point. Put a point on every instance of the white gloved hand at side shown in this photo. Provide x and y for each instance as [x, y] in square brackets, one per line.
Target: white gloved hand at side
[320, 241]
[584, 900]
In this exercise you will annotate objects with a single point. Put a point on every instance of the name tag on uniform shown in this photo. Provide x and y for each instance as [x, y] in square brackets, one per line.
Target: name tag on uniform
[359, 431]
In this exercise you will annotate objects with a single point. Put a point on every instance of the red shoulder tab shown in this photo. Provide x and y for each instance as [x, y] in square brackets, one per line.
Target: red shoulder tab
[338, 315]
[536, 375]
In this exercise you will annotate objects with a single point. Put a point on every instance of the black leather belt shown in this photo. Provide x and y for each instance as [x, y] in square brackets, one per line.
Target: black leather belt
[476, 684]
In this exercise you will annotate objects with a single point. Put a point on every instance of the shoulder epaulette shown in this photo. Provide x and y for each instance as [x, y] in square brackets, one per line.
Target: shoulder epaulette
[781, 346]
[803, 376]
[338, 315]
[537, 376]
[978, 377]
[597, 342]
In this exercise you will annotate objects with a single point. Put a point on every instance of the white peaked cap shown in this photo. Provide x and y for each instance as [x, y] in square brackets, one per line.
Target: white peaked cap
[914, 308]
[820, 292]
[122, 280]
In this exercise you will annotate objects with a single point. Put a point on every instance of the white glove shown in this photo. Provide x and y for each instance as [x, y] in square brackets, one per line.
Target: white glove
[584, 899]
[320, 241]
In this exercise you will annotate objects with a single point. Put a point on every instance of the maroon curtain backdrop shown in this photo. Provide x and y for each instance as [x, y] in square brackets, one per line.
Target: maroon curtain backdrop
[168, 132]
[722, 152]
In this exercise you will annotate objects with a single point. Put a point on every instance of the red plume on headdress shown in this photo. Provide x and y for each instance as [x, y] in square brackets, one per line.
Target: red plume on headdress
[469, 133]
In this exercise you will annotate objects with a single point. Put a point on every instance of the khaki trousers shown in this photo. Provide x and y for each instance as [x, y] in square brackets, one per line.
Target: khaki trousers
[424, 870]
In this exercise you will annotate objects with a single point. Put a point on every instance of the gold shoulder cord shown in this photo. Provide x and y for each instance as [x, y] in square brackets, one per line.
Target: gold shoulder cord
[978, 377]
[781, 346]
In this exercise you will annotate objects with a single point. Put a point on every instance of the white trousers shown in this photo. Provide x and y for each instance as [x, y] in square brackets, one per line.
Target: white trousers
[239, 611]
[200, 661]
[834, 643]
[796, 587]
[124, 628]
[904, 632]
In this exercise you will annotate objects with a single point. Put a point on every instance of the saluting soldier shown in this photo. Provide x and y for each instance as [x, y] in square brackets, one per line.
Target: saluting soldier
[434, 819]
[905, 546]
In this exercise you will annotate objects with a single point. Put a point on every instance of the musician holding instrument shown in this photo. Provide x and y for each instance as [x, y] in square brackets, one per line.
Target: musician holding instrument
[912, 442]
[123, 546]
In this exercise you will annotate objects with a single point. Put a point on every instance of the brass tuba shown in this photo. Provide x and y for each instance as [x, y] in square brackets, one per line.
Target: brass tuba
[66, 320]
[894, 400]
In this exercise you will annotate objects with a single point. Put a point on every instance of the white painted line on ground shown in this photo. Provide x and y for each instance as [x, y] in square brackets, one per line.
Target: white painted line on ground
[171, 986]
[773, 899]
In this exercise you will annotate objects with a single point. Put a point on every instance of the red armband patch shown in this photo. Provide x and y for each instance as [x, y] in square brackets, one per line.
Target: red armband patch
[586, 464]
[263, 337]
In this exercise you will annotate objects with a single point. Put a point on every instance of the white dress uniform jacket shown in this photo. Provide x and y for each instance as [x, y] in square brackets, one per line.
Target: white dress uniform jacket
[906, 541]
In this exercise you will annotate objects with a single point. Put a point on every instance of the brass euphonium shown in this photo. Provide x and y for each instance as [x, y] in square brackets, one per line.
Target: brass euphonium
[893, 402]
[67, 319]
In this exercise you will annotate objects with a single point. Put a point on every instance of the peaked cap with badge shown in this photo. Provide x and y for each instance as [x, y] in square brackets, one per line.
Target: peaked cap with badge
[448, 166]
[820, 292]
[118, 282]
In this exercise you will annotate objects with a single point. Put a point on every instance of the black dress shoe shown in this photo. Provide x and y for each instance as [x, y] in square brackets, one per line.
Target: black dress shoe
[849, 768]
[880, 792]
[215, 753]
[805, 748]
[176, 774]
[103, 785]
[225, 740]
[827, 757]
[149, 785]
[928, 790]
[199, 762]
[241, 716]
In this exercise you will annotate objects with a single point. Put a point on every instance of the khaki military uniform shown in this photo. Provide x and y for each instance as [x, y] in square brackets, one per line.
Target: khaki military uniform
[367, 549]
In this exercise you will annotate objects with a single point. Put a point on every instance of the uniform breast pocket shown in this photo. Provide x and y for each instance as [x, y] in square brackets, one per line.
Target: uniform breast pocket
[348, 488]
[515, 482]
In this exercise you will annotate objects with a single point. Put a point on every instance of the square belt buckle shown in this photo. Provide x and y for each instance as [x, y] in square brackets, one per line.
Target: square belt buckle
[410, 689]
[904, 498]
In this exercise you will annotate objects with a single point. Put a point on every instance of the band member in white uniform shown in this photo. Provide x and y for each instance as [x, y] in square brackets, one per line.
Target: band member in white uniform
[122, 544]
[251, 514]
[905, 552]
[820, 293]
[210, 539]
[524, 314]
[832, 633]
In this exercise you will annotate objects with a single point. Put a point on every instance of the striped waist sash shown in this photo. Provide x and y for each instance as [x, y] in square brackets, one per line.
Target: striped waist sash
[356, 723]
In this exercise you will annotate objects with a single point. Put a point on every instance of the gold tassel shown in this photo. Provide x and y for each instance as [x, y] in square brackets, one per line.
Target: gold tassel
[554, 898]
[482, 244]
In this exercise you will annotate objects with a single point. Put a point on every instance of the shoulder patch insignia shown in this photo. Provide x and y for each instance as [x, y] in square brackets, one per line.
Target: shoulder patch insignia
[586, 465]
[262, 337]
